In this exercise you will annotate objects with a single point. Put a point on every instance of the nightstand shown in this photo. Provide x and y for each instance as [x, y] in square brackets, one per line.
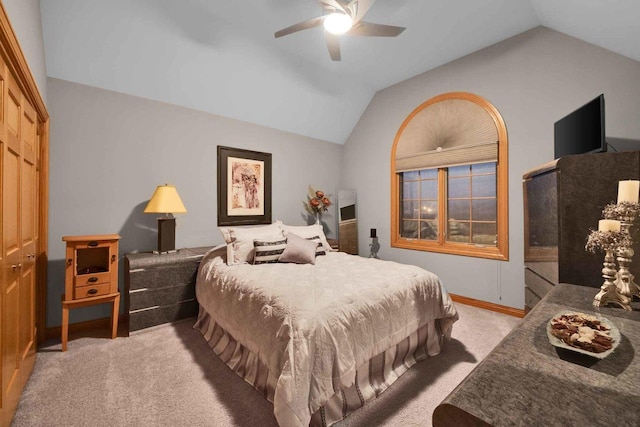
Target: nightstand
[160, 288]
[91, 277]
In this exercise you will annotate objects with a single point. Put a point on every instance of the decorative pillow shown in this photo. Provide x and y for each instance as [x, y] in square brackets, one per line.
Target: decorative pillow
[267, 251]
[240, 240]
[307, 231]
[319, 248]
[299, 250]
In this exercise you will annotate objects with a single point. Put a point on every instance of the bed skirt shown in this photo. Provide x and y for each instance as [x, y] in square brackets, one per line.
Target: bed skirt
[372, 377]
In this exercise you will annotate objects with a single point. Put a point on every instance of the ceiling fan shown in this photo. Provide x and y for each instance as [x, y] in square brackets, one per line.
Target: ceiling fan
[343, 17]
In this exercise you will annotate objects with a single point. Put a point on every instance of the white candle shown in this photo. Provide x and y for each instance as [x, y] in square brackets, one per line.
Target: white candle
[608, 225]
[628, 191]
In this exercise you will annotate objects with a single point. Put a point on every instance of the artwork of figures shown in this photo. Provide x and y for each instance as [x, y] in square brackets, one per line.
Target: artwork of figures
[246, 178]
[244, 187]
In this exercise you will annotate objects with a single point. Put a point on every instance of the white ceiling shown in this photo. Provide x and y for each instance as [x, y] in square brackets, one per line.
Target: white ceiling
[221, 57]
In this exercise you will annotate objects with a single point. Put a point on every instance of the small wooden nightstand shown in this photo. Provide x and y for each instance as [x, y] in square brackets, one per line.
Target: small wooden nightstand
[91, 277]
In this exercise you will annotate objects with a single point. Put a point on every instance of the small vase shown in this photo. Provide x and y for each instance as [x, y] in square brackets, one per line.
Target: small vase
[318, 218]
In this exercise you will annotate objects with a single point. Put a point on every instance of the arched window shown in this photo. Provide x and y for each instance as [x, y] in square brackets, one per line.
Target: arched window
[449, 179]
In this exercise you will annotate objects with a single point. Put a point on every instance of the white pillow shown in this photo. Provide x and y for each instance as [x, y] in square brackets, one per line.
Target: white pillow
[299, 250]
[307, 231]
[240, 240]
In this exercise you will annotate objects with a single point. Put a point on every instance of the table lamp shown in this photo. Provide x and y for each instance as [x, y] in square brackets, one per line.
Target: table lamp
[166, 200]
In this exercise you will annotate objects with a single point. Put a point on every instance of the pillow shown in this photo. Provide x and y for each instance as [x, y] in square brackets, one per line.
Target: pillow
[267, 251]
[319, 247]
[239, 240]
[299, 250]
[307, 231]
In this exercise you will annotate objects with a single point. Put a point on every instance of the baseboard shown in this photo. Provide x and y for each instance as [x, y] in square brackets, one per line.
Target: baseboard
[82, 328]
[488, 306]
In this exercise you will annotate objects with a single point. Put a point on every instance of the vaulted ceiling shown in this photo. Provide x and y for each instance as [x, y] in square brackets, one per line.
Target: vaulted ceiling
[221, 56]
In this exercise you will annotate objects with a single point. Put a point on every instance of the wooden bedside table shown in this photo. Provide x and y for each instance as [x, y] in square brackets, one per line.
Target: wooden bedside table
[91, 277]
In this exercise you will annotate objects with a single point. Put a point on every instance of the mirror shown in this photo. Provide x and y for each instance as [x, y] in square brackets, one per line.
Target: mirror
[347, 222]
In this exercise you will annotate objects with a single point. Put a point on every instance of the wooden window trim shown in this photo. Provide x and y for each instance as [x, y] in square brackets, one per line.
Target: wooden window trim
[498, 252]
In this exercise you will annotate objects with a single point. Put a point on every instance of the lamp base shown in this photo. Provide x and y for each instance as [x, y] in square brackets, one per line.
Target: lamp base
[166, 235]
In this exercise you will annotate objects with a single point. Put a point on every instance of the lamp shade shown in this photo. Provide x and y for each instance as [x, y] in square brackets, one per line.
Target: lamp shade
[165, 200]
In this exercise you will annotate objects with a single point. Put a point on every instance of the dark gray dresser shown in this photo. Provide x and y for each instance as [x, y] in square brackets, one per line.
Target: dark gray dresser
[563, 201]
[160, 288]
[525, 381]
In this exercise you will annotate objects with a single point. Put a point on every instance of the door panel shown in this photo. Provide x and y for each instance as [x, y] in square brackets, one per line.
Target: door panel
[28, 237]
[11, 168]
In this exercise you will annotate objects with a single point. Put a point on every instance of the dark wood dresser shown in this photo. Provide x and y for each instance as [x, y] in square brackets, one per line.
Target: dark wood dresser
[525, 381]
[160, 288]
[563, 202]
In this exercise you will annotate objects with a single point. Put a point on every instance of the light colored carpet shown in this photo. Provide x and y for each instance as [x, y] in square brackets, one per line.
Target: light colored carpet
[168, 376]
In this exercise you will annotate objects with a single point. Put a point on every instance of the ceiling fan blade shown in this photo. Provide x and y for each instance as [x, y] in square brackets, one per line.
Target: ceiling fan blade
[334, 4]
[363, 28]
[359, 8]
[333, 44]
[304, 25]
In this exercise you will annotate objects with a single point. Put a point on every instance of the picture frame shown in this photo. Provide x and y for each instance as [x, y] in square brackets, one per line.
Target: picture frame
[244, 187]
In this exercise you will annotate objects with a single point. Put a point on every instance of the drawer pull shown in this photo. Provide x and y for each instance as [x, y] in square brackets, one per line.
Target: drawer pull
[92, 291]
[92, 280]
[92, 243]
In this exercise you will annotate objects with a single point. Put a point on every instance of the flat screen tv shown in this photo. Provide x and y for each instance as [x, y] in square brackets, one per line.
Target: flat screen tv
[582, 131]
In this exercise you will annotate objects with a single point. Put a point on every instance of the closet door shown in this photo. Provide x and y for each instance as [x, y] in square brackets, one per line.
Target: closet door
[11, 243]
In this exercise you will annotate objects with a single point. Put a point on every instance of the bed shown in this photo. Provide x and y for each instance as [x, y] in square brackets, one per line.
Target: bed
[321, 339]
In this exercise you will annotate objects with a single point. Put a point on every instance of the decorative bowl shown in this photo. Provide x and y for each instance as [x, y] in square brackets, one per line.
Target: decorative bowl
[613, 332]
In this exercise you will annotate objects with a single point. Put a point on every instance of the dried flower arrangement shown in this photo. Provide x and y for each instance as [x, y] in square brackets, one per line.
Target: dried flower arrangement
[623, 211]
[607, 240]
[317, 202]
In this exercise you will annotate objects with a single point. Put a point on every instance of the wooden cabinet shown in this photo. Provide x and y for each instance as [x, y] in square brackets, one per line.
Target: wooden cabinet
[91, 277]
[160, 288]
[348, 236]
[563, 202]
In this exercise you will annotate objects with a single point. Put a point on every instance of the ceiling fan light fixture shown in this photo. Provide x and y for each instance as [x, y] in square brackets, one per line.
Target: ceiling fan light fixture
[338, 23]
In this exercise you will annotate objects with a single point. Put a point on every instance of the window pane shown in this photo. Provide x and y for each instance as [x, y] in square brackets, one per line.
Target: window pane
[429, 174]
[410, 210]
[428, 210]
[484, 186]
[409, 229]
[459, 210]
[429, 190]
[460, 170]
[458, 231]
[484, 234]
[411, 175]
[459, 187]
[483, 210]
[482, 168]
[410, 189]
[429, 230]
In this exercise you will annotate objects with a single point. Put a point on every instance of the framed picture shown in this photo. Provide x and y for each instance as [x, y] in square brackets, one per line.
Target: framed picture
[244, 187]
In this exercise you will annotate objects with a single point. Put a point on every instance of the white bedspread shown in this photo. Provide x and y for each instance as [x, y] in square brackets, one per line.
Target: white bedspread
[313, 325]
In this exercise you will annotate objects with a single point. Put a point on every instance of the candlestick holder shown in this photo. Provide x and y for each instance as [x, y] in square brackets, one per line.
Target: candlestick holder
[624, 280]
[609, 241]
[609, 291]
[626, 213]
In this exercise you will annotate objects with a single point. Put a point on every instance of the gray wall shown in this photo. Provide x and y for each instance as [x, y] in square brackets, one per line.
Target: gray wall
[109, 151]
[25, 20]
[533, 79]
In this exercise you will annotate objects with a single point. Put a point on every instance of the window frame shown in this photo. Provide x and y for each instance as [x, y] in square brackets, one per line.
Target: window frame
[498, 252]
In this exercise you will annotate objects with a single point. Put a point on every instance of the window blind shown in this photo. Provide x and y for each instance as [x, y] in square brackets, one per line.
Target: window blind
[448, 133]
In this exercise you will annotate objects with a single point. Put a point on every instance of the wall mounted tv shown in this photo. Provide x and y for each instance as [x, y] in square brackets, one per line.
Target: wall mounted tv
[582, 131]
